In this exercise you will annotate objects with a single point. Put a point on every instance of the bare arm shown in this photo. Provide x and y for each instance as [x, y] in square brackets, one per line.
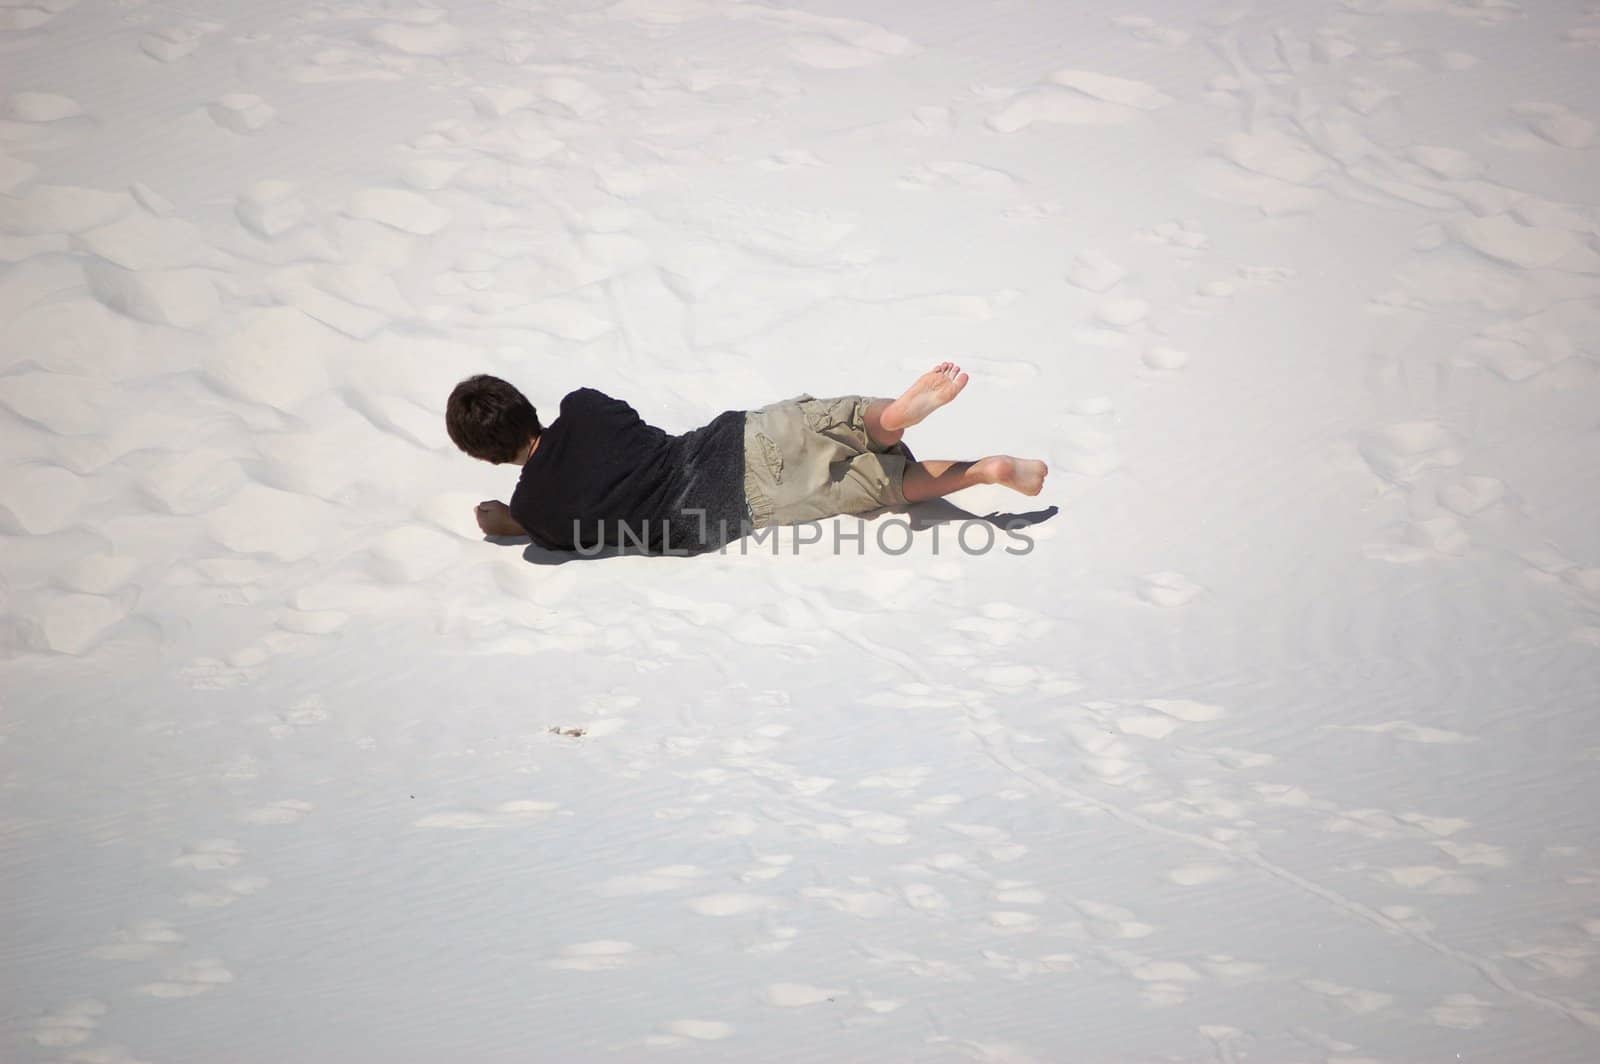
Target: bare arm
[494, 517]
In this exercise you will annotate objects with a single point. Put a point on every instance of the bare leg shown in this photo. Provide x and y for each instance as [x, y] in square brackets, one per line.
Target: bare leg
[879, 435]
[887, 419]
[935, 479]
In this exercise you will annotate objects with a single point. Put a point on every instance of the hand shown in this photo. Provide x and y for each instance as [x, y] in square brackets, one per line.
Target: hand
[495, 519]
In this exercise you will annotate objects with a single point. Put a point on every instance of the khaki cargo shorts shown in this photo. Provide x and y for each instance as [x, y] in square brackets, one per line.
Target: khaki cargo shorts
[806, 459]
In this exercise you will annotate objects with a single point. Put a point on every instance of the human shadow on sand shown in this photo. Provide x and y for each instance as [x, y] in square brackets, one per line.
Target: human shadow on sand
[919, 517]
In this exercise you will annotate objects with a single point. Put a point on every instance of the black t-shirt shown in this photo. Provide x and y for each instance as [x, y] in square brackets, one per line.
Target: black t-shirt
[601, 477]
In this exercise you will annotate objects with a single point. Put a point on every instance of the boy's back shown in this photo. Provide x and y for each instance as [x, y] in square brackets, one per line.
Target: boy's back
[601, 476]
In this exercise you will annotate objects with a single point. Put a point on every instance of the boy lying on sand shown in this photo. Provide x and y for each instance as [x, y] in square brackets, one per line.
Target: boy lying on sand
[598, 476]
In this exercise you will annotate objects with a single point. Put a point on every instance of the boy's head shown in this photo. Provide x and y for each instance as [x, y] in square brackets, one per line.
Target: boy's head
[490, 419]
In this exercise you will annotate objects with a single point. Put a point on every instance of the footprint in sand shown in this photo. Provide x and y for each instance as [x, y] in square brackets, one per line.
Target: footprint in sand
[224, 894]
[288, 811]
[830, 43]
[1266, 274]
[312, 621]
[1033, 212]
[1273, 172]
[655, 881]
[100, 574]
[1552, 961]
[69, 1025]
[210, 855]
[1079, 97]
[140, 941]
[285, 525]
[182, 298]
[1146, 725]
[506, 814]
[42, 107]
[1425, 538]
[1165, 357]
[1168, 589]
[412, 553]
[1427, 879]
[1557, 125]
[1462, 1012]
[955, 174]
[41, 210]
[1367, 97]
[868, 904]
[189, 980]
[731, 904]
[71, 624]
[303, 716]
[1186, 710]
[1447, 163]
[1150, 31]
[32, 16]
[358, 301]
[1012, 920]
[1481, 854]
[571, 97]
[697, 1030]
[144, 242]
[1401, 452]
[1104, 754]
[1094, 272]
[241, 112]
[498, 101]
[172, 43]
[1183, 235]
[1214, 292]
[426, 34]
[799, 995]
[339, 64]
[792, 158]
[1583, 36]
[1087, 452]
[768, 868]
[783, 938]
[1108, 921]
[212, 674]
[1352, 1000]
[925, 898]
[1018, 892]
[14, 172]
[400, 209]
[1162, 982]
[270, 208]
[1408, 732]
[1506, 239]
[1198, 875]
[602, 955]
[932, 120]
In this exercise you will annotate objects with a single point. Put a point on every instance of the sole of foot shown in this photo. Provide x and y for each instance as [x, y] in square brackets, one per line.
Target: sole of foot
[927, 393]
[1024, 475]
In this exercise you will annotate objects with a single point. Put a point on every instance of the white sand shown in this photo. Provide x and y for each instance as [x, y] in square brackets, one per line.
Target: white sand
[1280, 745]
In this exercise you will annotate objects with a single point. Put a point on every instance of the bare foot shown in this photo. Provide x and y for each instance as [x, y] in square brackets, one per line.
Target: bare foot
[1025, 475]
[927, 393]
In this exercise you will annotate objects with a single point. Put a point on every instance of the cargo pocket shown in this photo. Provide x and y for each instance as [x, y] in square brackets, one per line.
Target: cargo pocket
[771, 457]
[832, 418]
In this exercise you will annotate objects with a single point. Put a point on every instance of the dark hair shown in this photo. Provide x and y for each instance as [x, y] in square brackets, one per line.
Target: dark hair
[489, 419]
